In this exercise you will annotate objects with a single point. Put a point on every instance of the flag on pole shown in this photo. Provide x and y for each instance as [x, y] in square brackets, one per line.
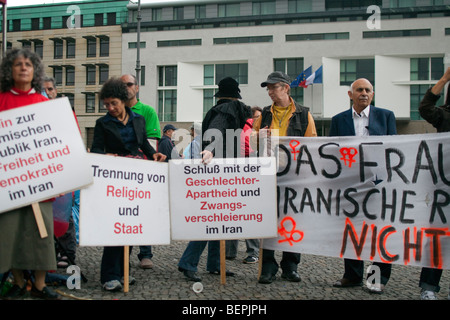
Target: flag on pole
[301, 79]
[316, 77]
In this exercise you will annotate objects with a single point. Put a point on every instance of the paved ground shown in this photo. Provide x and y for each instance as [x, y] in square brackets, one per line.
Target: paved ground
[165, 282]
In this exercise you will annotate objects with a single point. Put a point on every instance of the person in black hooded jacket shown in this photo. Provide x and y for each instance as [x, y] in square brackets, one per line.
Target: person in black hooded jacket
[439, 117]
[228, 113]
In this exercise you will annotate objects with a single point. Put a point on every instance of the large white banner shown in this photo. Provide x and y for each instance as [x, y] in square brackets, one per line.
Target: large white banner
[225, 199]
[380, 198]
[42, 154]
[128, 203]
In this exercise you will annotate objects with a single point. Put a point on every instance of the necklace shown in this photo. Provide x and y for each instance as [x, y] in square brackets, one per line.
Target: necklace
[124, 120]
[284, 115]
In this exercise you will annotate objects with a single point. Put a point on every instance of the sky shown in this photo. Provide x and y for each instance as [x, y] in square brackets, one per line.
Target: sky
[15, 3]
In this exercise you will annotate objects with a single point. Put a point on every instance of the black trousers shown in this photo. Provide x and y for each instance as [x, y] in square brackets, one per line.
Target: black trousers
[429, 279]
[354, 270]
[289, 262]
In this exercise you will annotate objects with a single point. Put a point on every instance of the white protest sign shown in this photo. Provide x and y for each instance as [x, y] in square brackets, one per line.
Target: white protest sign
[42, 154]
[225, 199]
[128, 203]
[380, 198]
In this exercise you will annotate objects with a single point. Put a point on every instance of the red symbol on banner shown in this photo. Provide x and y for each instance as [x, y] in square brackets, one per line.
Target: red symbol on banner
[347, 156]
[293, 146]
[291, 235]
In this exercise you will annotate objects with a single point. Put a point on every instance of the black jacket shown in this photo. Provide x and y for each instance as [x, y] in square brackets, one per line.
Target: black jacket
[439, 117]
[227, 114]
[107, 138]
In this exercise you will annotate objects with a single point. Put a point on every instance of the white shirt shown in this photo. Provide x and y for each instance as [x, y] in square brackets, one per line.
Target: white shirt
[361, 122]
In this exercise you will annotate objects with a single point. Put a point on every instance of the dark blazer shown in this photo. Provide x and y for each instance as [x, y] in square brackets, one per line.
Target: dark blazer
[107, 138]
[381, 122]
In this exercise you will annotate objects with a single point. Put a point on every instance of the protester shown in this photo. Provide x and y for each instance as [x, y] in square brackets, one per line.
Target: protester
[66, 245]
[121, 132]
[363, 119]
[439, 117]
[285, 117]
[252, 245]
[21, 247]
[228, 113]
[152, 125]
[153, 130]
[166, 144]
[194, 149]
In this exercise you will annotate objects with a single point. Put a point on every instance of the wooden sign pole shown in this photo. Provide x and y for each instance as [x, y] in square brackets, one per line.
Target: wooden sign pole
[126, 268]
[222, 262]
[39, 220]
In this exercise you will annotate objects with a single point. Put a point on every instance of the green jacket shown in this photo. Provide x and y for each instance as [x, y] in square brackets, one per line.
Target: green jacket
[152, 126]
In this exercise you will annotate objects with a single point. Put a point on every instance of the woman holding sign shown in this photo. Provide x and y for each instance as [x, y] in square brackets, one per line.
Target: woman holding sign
[21, 246]
[121, 132]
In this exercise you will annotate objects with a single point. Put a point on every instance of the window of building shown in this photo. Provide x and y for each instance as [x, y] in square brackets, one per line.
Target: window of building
[318, 36]
[133, 45]
[103, 73]
[292, 67]
[402, 3]
[90, 102]
[208, 100]
[397, 33]
[167, 105]
[240, 40]
[39, 48]
[70, 76]
[167, 76]
[229, 10]
[352, 4]
[90, 74]
[47, 23]
[57, 48]
[26, 44]
[35, 24]
[167, 95]
[179, 43]
[263, 7]
[299, 6]
[427, 68]
[58, 75]
[424, 69]
[104, 46]
[237, 71]
[178, 13]
[200, 11]
[91, 47]
[142, 76]
[16, 25]
[98, 19]
[212, 74]
[70, 48]
[156, 14]
[111, 19]
[352, 69]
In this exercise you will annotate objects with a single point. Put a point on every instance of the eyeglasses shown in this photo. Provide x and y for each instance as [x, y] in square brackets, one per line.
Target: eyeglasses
[130, 84]
[272, 88]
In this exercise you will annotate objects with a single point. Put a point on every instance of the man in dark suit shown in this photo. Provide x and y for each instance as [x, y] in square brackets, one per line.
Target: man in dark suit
[363, 119]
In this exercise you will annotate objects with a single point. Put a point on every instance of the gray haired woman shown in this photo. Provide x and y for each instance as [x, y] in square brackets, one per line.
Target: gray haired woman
[21, 247]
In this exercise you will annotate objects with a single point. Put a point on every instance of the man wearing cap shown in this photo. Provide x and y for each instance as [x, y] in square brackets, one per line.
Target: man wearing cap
[228, 113]
[285, 117]
[166, 144]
